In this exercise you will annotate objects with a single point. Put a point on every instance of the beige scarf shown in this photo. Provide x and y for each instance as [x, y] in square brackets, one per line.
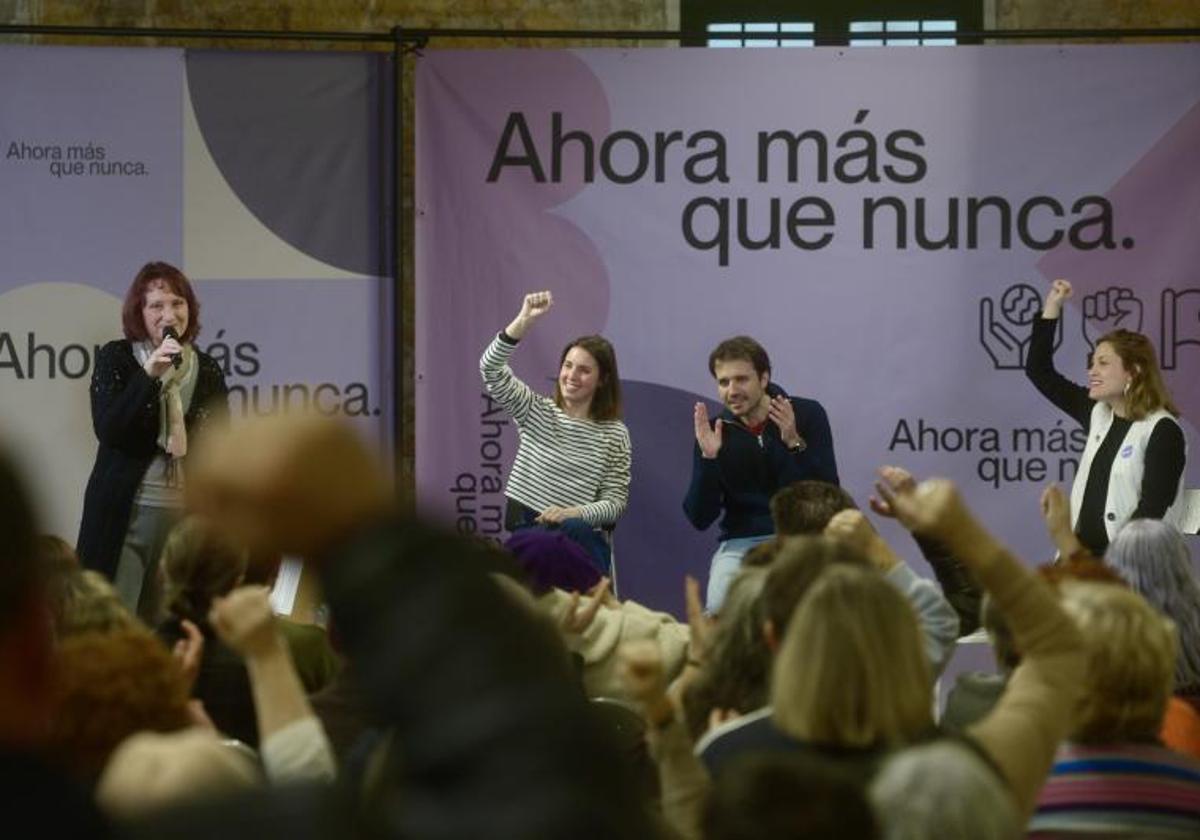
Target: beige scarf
[178, 385]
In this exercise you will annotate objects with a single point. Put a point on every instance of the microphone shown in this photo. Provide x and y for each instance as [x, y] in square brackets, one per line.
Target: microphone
[176, 358]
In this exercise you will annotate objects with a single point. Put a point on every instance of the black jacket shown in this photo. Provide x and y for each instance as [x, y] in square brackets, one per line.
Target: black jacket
[749, 470]
[125, 415]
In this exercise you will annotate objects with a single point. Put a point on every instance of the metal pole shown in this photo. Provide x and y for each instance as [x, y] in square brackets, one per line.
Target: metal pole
[399, 250]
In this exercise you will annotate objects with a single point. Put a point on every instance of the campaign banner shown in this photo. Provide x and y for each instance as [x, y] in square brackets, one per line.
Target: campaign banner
[263, 176]
[885, 221]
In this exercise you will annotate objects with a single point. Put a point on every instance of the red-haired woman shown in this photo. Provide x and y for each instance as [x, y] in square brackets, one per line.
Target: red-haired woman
[151, 393]
[1132, 464]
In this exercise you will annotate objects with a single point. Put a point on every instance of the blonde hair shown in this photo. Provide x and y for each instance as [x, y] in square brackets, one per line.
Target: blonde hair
[88, 603]
[1131, 650]
[151, 771]
[852, 670]
[199, 563]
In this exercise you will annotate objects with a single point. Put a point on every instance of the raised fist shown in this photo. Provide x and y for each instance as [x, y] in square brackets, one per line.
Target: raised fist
[535, 305]
[1060, 290]
[1110, 309]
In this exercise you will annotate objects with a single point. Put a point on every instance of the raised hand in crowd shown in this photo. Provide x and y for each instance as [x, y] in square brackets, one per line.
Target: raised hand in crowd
[960, 588]
[603, 593]
[292, 742]
[709, 436]
[897, 478]
[1056, 513]
[244, 621]
[701, 623]
[576, 618]
[645, 680]
[853, 527]
[932, 507]
[1022, 732]
[533, 306]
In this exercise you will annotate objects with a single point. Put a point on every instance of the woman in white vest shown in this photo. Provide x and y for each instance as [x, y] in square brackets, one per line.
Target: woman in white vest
[1132, 465]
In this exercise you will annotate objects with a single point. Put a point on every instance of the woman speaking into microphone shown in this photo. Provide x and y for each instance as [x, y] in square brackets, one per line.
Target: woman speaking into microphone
[151, 394]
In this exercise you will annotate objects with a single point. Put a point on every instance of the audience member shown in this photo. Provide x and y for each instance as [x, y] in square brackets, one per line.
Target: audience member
[786, 795]
[199, 564]
[292, 742]
[85, 602]
[851, 671]
[830, 702]
[806, 508]
[733, 679]
[943, 790]
[154, 771]
[1153, 556]
[799, 563]
[33, 793]
[568, 588]
[811, 692]
[1112, 777]
[315, 659]
[342, 707]
[976, 692]
[1020, 734]
[58, 561]
[494, 737]
[110, 686]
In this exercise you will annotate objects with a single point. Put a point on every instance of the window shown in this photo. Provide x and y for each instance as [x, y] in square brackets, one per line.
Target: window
[722, 34]
[911, 28]
[796, 23]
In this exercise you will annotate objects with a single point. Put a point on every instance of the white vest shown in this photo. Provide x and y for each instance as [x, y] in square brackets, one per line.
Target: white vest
[1125, 477]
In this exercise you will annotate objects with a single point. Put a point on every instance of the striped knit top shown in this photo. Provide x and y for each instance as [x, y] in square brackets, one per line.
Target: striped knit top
[561, 460]
[1136, 790]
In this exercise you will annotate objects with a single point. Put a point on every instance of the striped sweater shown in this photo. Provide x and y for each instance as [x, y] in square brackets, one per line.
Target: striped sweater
[1135, 790]
[561, 460]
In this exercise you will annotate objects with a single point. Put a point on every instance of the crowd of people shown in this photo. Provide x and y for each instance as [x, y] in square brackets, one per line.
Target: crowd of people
[465, 689]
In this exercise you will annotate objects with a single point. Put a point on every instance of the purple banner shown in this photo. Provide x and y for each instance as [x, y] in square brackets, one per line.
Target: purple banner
[884, 221]
[262, 175]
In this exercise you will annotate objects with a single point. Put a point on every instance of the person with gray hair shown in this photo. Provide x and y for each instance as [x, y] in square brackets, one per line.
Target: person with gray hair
[737, 661]
[968, 802]
[1153, 557]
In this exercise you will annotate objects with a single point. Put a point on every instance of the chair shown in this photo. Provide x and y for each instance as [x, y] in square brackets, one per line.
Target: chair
[609, 530]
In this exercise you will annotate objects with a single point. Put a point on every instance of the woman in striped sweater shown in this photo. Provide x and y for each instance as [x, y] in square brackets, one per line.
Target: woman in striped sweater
[571, 471]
